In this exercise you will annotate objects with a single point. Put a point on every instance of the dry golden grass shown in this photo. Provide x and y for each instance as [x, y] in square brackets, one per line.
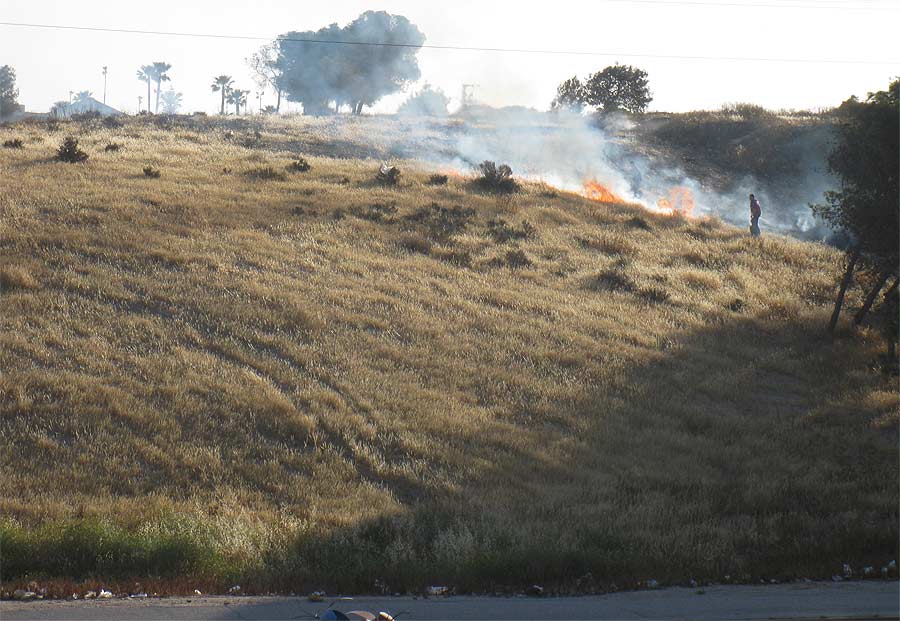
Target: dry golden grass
[303, 367]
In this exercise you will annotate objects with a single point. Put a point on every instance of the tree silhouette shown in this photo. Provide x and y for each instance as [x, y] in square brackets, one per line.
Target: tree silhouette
[222, 83]
[83, 96]
[326, 76]
[158, 72]
[171, 101]
[619, 87]
[8, 91]
[145, 74]
[570, 95]
[266, 72]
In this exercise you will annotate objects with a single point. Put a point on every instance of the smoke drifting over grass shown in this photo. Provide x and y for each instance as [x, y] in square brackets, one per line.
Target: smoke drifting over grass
[568, 151]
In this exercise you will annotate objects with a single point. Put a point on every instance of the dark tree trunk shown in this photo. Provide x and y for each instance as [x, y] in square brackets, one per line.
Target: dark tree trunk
[839, 302]
[158, 85]
[222, 109]
[357, 109]
[870, 299]
[278, 104]
[148, 95]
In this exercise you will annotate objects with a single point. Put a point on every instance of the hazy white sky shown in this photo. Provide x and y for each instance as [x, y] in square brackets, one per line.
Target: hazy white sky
[50, 63]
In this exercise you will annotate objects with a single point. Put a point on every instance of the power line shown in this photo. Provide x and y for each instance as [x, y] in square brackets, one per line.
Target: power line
[460, 48]
[846, 7]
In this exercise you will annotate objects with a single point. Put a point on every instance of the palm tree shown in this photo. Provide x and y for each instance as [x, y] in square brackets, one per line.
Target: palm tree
[83, 96]
[237, 98]
[222, 83]
[243, 100]
[145, 73]
[158, 71]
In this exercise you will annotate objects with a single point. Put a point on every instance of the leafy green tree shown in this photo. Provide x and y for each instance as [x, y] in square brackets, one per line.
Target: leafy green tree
[618, 87]
[145, 74]
[570, 95]
[866, 159]
[9, 94]
[324, 75]
[222, 83]
[427, 102]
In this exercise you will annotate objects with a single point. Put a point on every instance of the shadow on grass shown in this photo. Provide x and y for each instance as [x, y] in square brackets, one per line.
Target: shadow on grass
[717, 457]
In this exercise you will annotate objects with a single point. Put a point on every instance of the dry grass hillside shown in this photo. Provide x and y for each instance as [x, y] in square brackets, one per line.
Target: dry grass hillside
[310, 380]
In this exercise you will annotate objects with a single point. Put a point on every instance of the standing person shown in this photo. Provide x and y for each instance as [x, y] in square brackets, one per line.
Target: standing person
[755, 213]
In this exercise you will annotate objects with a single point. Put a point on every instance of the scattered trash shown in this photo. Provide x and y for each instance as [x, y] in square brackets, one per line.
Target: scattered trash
[848, 571]
[651, 583]
[23, 595]
[535, 590]
[316, 596]
[837, 578]
[693, 583]
[235, 590]
[104, 594]
[197, 592]
[437, 590]
[138, 596]
[90, 595]
[868, 570]
[74, 595]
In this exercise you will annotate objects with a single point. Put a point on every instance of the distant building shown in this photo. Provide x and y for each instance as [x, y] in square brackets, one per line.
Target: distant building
[63, 110]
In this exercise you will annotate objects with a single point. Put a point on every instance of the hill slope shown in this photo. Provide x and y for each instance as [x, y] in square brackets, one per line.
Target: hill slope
[314, 380]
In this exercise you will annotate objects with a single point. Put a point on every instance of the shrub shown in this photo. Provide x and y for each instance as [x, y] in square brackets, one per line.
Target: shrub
[438, 179]
[112, 146]
[654, 294]
[299, 165]
[376, 212]
[496, 178]
[513, 259]
[502, 232]
[266, 173]
[69, 151]
[388, 175]
[611, 280]
[443, 222]
[52, 125]
[112, 122]
[15, 143]
[415, 243]
[638, 222]
[747, 111]
[151, 172]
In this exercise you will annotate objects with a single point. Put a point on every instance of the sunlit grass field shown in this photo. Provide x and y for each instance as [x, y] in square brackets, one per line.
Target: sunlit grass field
[311, 380]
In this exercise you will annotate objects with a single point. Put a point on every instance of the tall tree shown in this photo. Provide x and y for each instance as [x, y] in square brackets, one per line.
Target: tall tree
[8, 92]
[266, 72]
[171, 101]
[866, 159]
[83, 96]
[222, 83]
[619, 87]
[427, 102]
[159, 72]
[570, 95]
[325, 76]
[145, 74]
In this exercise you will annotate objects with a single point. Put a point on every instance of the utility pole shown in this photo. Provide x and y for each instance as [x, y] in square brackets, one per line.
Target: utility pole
[104, 84]
[259, 96]
[140, 101]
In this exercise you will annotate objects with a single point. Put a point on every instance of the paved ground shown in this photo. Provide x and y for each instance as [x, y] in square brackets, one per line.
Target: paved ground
[844, 600]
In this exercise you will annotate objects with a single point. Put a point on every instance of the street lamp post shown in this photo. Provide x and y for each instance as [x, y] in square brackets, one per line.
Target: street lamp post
[104, 84]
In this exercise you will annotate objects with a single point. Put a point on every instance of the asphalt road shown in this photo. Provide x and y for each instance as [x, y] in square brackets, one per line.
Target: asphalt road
[843, 600]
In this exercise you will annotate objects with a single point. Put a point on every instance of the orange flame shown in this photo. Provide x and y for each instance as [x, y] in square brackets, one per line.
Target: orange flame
[596, 191]
[680, 200]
